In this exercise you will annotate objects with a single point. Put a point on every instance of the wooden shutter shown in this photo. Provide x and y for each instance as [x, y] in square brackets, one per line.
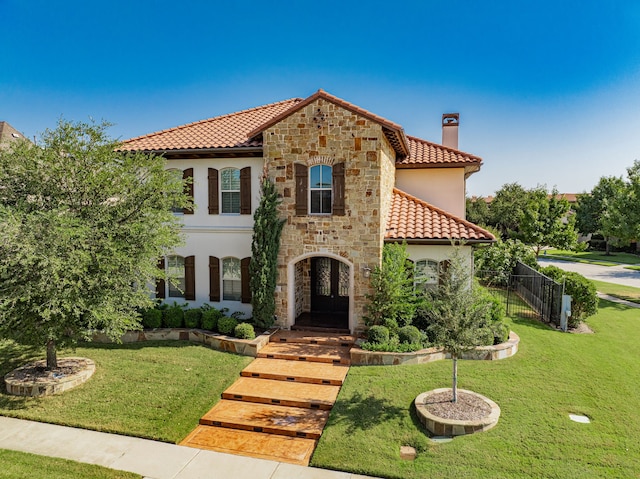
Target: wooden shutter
[245, 191]
[160, 284]
[190, 278]
[301, 190]
[214, 279]
[214, 195]
[188, 189]
[245, 276]
[338, 189]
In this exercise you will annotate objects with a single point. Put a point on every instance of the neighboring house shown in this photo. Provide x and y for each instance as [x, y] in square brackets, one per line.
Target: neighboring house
[9, 133]
[349, 181]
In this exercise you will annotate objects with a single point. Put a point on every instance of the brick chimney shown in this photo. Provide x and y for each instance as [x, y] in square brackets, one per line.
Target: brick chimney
[450, 122]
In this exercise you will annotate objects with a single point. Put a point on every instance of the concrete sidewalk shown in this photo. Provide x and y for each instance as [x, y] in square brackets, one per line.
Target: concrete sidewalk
[151, 459]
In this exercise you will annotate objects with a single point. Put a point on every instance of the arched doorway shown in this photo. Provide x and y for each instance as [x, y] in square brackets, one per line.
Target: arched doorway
[321, 287]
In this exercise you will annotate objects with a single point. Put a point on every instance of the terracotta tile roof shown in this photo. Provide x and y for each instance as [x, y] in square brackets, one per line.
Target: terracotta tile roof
[226, 131]
[424, 154]
[413, 219]
[393, 131]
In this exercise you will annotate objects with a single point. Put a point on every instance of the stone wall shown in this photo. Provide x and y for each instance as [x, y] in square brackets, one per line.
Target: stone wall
[323, 132]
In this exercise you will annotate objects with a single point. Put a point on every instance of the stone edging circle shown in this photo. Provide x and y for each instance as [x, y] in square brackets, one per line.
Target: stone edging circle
[452, 427]
[19, 386]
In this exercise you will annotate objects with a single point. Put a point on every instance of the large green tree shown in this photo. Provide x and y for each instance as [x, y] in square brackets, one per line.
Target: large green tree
[82, 226]
[267, 228]
[599, 211]
[507, 208]
[546, 221]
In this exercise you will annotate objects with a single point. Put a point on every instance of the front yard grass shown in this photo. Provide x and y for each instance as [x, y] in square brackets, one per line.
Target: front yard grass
[619, 291]
[593, 257]
[18, 465]
[156, 390]
[553, 374]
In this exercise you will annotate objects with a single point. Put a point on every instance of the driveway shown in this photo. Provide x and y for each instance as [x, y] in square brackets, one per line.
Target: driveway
[609, 274]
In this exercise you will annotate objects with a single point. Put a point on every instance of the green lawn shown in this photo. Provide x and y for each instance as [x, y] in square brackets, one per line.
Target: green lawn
[619, 291]
[18, 465]
[157, 390]
[552, 375]
[593, 257]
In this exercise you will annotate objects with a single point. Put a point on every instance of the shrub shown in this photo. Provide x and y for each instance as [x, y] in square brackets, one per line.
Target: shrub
[495, 263]
[193, 318]
[500, 332]
[392, 346]
[410, 335]
[244, 331]
[378, 334]
[152, 318]
[497, 311]
[173, 317]
[584, 297]
[226, 325]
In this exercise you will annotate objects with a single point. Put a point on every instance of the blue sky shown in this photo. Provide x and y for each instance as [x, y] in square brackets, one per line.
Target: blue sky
[548, 91]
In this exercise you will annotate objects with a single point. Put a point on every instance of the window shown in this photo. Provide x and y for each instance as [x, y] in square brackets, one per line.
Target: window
[178, 177]
[175, 272]
[231, 279]
[426, 274]
[230, 188]
[320, 188]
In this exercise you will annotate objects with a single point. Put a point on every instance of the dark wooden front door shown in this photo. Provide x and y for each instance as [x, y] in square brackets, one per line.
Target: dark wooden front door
[329, 286]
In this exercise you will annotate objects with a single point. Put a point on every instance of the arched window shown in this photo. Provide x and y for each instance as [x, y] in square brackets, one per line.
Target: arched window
[426, 274]
[320, 189]
[231, 279]
[175, 271]
[230, 190]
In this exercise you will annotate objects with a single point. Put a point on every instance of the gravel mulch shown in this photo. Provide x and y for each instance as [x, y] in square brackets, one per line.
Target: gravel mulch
[468, 407]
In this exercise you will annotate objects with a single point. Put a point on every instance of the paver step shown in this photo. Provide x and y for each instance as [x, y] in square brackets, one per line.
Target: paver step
[283, 393]
[269, 418]
[296, 371]
[306, 352]
[273, 447]
[311, 337]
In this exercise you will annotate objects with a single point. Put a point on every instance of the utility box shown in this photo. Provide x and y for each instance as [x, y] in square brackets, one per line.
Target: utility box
[565, 312]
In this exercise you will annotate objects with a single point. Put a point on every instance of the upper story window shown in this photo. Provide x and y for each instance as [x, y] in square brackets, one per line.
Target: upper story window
[320, 189]
[175, 271]
[426, 274]
[230, 190]
[231, 279]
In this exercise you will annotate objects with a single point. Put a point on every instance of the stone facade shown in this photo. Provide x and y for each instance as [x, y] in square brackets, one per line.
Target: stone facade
[323, 132]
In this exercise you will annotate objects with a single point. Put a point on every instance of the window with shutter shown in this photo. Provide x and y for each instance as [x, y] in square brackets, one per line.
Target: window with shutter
[175, 272]
[320, 189]
[231, 279]
[214, 279]
[338, 189]
[230, 190]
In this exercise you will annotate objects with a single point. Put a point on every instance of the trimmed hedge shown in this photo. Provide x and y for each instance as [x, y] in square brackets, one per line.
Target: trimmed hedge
[409, 335]
[152, 318]
[244, 331]
[584, 297]
[173, 317]
[378, 334]
[227, 325]
[193, 318]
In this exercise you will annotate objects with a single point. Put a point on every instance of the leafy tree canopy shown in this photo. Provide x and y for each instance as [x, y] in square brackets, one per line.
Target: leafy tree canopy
[82, 226]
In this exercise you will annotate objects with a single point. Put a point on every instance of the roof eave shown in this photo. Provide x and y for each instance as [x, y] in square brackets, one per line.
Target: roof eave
[439, 241]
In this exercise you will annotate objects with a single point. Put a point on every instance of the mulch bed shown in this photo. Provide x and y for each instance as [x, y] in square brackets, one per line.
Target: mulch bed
[38, 373]
[468, 407]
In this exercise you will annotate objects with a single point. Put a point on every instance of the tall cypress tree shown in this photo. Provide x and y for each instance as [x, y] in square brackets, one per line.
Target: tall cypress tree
[267, 228]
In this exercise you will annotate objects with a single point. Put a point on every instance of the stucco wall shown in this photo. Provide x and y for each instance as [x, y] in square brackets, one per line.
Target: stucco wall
[442, 187]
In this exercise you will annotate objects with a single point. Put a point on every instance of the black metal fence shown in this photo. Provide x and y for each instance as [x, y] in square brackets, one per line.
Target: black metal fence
[528, 293]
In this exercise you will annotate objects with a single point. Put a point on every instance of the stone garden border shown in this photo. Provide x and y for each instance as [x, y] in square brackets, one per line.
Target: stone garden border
[453, 427]
[360, 357]
[18, 386]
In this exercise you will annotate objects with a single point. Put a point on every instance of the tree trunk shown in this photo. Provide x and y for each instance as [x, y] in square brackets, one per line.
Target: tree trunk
[455, 379]
[52, 358]
[606, 245]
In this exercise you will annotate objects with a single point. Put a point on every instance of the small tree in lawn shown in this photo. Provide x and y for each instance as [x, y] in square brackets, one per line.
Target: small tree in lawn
[267, 229]
[81, 229]
[455, 312]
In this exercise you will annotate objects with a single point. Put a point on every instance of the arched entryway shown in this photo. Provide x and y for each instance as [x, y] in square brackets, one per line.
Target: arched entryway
[320, 291]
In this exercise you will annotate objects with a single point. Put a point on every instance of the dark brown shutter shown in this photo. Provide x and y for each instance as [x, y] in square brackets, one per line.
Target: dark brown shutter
[244, 277]
[301, 190]
[214, 279]
[190, 278]
[214, 197]
[188, 189]
[338, 189]
[443, 267]
[245, 191]
[160, 284]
